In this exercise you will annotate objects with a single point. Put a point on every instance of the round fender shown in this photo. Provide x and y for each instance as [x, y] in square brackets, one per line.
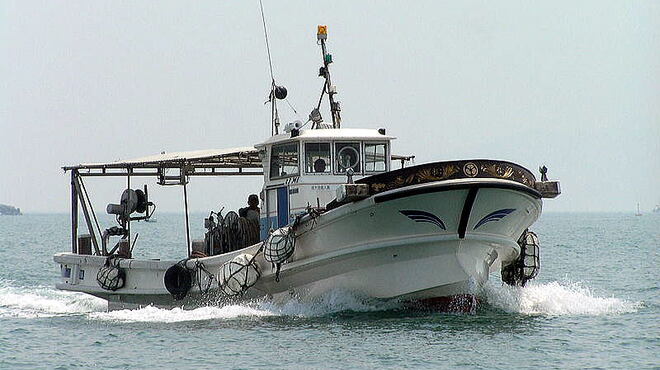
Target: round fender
[178, 281]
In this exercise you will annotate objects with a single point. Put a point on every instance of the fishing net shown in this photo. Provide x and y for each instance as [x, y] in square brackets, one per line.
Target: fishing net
[232, 233]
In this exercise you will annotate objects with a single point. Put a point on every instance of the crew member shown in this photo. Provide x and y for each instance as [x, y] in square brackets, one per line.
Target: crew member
[251, 212]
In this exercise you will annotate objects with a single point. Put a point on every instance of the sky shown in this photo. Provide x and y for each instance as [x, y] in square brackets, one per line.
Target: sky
[574, 85]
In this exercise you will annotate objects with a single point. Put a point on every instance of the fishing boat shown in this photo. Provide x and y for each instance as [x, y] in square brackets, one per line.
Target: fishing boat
[9, 210]
[334, 213]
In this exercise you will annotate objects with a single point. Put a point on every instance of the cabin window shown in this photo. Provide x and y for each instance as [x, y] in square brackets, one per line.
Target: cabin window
[317, 157]
[284, 160]
[375, 157]
[347, 155]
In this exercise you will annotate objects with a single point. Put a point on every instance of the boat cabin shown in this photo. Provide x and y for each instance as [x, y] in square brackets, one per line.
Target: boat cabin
[303, 168]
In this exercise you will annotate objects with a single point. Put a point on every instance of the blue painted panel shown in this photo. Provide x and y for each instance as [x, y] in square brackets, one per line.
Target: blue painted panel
[282, 206]
[263, 228]
[265, 225]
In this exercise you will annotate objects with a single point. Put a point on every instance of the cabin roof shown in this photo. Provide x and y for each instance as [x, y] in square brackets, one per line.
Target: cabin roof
[212, 161]
[330, 134]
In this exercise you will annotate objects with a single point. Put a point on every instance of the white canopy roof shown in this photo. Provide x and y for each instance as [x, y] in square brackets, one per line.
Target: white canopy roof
[241, 157]
[233, 157]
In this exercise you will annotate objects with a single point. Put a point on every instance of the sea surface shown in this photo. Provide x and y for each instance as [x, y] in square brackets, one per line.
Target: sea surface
[595, 304]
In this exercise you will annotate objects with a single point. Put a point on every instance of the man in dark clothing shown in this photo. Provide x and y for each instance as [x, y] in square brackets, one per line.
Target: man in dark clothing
[251, 212]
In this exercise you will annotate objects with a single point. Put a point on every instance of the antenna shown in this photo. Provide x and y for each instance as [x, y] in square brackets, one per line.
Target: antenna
[276, 92]
[335, 109]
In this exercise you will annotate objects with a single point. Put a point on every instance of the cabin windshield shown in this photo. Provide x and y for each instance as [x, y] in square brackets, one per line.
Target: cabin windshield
[317, 158]
[284, 160]
[347, 156]
[375, 157]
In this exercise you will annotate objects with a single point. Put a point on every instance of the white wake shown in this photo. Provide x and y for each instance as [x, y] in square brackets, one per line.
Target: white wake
[42, 301]
[552, 298]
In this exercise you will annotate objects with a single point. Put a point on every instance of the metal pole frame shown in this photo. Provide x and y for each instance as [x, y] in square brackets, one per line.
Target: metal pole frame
[128, 221]
[88, 220]
[74, 212]
[185, 201]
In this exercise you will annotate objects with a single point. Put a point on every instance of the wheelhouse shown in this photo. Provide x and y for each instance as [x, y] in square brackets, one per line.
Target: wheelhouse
[303, 168]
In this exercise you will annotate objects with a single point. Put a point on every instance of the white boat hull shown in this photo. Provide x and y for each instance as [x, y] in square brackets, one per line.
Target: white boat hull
[413, 243]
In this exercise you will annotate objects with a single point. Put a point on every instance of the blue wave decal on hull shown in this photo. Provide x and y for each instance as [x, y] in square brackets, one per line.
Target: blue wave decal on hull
[495, 216]
[421, 216]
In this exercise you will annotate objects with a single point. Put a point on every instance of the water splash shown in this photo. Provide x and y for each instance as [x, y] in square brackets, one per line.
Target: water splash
[45, 301]
[333, 301]
[554, 298]
[42, 301]
[329, 302]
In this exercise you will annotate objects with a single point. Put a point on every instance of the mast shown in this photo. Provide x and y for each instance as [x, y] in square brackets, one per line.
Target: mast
[276, 92]
[335, 109]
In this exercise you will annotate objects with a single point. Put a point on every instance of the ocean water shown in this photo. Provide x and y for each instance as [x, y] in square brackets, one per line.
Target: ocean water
[595, 304]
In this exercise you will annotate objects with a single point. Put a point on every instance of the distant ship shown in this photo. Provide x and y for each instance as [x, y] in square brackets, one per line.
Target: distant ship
[639, 213]
[6, 210]
[656, 209]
